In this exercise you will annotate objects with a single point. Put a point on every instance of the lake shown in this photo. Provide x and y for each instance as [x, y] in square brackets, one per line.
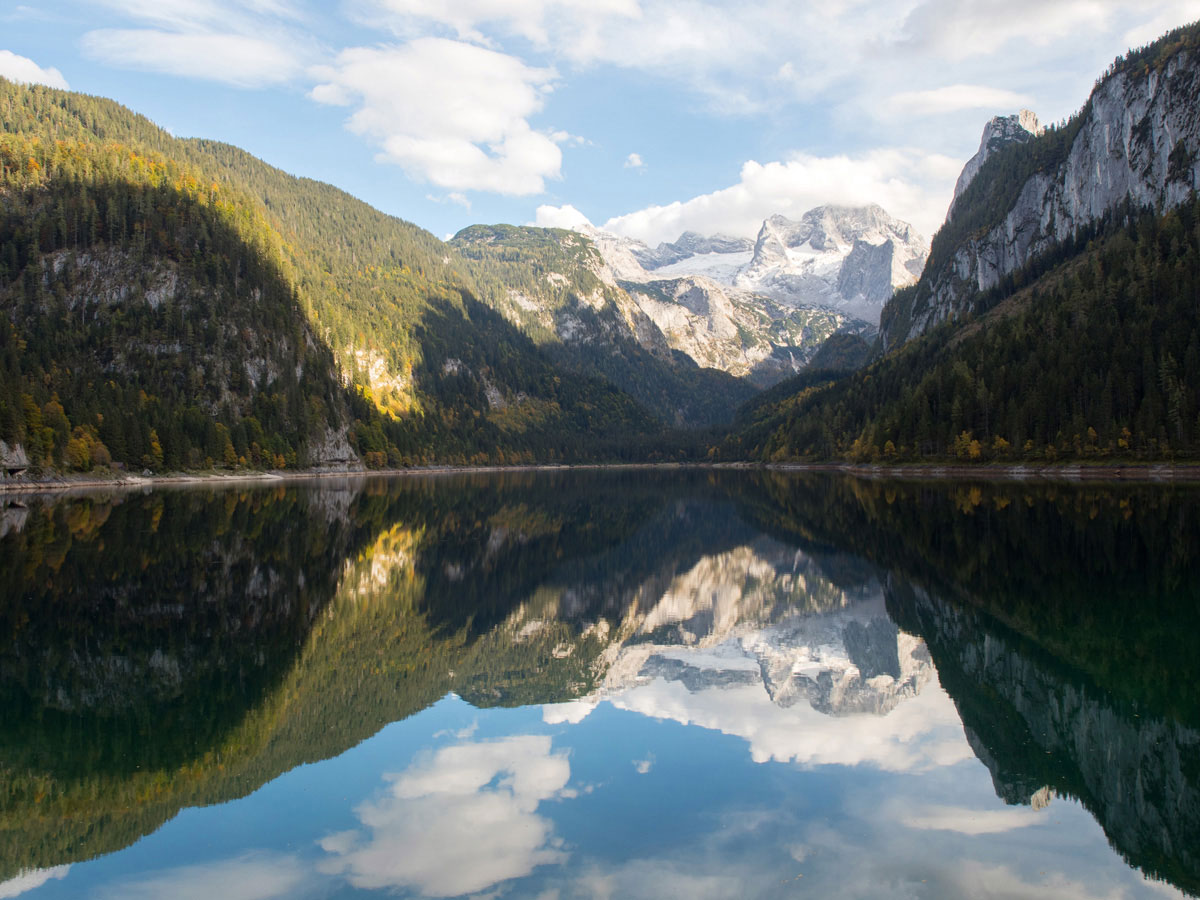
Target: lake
[602, 684]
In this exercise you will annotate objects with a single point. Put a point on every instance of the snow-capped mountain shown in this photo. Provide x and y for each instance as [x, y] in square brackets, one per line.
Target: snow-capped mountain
[848, 259]
[593, 296]
[768, 617]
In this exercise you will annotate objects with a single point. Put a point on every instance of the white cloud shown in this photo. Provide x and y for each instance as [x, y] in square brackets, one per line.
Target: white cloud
[234, 59]
[1174, 14]
[459, 821]
[634, 161]
[911, 185]
[955, 98]
[26, 71]
[958, 29]
[212, 15]
[449, 112]
[966, 820]
[563, 217]
[27, 881]
[251, 877]
[922, 733]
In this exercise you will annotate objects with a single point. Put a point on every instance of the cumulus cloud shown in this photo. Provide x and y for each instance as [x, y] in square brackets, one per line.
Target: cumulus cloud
[459, 821]
[922, 733]
[957, 29]
[911, 185]
[234, 59]
[251, 877]
[969, 821]
[634, 161]
[26, 71]
[563, 217]
[27, 881]
[449, 112]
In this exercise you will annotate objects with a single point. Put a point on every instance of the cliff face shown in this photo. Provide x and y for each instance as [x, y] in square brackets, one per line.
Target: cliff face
[1137, 139]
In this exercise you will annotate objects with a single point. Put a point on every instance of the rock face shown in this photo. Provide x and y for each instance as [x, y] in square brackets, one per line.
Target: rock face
[998, 133]
[333, 451]
[1138, 138]
[12, 459]
[740, 332]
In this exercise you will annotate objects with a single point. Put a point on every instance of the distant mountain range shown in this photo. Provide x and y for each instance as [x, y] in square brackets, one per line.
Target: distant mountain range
[850, 259]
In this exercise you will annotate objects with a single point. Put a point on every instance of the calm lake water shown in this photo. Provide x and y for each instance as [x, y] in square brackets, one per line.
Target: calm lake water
[594, 685]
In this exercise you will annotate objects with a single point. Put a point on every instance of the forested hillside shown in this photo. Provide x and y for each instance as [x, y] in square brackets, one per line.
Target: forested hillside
[177, 303]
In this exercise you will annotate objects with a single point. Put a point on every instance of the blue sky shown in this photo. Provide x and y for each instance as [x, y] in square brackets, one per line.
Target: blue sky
[647, 116]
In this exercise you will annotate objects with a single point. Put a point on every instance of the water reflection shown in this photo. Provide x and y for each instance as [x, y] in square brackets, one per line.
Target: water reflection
[173, 650]
[457, 821]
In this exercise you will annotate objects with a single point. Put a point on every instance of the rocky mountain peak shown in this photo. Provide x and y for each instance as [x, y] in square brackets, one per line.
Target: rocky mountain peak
[1001, 131]
[690, 244]
[847, 257]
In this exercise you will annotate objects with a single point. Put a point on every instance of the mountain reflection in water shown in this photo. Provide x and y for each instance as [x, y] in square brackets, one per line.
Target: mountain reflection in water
[171, 650]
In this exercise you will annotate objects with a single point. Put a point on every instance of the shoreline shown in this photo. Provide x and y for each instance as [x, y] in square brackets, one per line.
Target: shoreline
[1129, 473]
[1145, 473]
